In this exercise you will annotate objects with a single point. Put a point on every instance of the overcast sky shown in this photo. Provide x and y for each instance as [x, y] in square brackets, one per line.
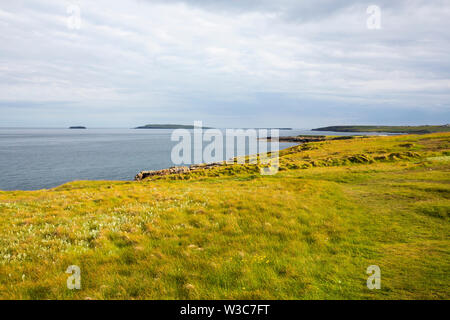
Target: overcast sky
[228, 63]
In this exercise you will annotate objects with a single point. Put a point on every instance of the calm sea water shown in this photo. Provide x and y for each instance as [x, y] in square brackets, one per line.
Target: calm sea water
[44, 158]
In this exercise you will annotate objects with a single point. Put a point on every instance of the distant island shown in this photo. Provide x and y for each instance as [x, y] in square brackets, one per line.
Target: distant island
[77, 127]
[269, 128]
[388, 129]
[181, 126]
[168, 126]
[308, 138]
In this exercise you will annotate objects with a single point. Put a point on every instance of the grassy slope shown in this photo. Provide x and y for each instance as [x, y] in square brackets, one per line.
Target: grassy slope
[308, 232]
[392, 129]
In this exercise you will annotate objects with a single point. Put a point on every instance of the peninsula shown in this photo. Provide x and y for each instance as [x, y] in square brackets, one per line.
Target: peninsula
[388, 129]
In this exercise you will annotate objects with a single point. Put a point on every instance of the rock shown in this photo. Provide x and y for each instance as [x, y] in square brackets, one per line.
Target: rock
[176, 170]
[206, 165]
[173, 170]
[189, 286]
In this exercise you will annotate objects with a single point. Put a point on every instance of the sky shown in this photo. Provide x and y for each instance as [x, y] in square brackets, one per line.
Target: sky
[228, 63]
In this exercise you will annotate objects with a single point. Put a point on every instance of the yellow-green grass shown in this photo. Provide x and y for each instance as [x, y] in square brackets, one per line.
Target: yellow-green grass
[308, 232]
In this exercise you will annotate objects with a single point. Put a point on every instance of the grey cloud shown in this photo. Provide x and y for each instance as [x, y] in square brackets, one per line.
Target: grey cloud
[225, 61]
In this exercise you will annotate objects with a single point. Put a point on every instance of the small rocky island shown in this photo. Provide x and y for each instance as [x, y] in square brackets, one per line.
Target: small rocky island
[77, 127]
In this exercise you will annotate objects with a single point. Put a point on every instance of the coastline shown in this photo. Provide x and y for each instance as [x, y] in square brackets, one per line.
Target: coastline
[141, 173]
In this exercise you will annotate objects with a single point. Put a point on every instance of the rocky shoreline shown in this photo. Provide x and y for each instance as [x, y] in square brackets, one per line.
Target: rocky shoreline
[175, 170]
[195, 167]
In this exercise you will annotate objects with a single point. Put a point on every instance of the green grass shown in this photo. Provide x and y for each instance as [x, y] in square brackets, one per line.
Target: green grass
[308, 232]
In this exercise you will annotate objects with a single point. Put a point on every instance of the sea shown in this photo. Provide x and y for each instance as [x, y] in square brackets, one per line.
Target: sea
[32, 159]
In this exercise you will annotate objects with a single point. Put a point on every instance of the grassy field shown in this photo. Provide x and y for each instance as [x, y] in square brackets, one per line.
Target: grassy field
[308, 232]
[392, 129]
